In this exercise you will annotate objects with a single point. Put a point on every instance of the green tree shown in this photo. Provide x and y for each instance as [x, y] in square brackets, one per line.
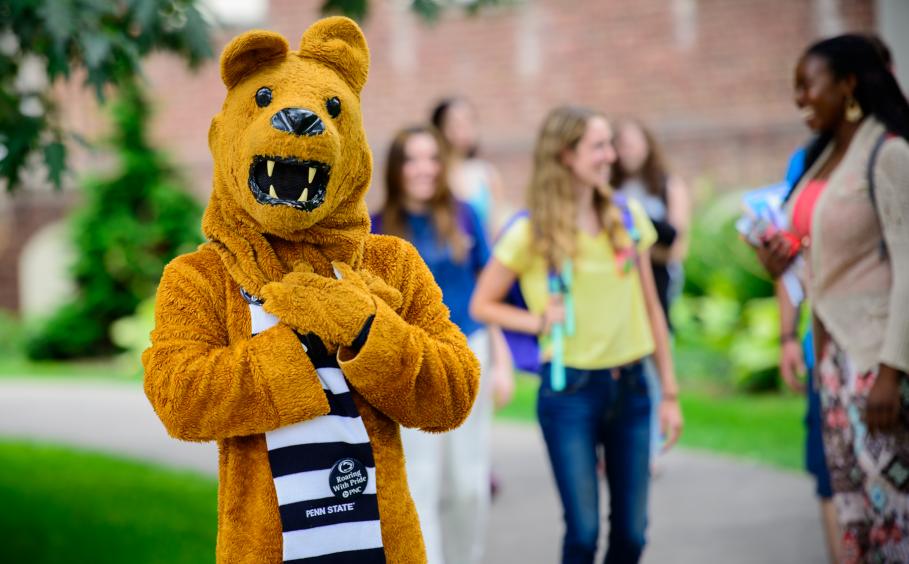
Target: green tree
[129, 226]
[42, 40]
[429, 10]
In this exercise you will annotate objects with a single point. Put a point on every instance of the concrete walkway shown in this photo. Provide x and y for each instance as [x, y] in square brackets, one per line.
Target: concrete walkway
[704, 508]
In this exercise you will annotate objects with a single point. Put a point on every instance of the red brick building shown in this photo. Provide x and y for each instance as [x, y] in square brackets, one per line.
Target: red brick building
[713, 78]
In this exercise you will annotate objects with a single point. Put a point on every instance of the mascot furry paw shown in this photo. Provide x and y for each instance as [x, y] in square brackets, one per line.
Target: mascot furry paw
[295, 338]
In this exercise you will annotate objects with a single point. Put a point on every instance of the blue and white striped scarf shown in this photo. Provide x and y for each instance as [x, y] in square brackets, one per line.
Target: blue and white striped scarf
[324, 472]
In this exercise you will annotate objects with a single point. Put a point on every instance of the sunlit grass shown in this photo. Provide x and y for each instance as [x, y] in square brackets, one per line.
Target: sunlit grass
[18, 366]
[62, 505]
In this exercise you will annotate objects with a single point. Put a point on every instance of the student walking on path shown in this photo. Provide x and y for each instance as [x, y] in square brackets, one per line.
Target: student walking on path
[476, 182]
[448, 474]
[581, 259]
[640, 172]
[473, 179]
[849, 217]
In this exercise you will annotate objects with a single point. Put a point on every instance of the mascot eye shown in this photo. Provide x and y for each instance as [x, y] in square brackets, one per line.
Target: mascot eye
[333, 105]
[263, 97]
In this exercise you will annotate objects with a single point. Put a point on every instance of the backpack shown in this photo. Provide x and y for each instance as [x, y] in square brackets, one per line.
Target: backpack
[872, 160]
[525, 349]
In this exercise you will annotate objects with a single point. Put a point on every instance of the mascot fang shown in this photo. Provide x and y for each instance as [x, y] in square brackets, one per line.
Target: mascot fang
[295, 338]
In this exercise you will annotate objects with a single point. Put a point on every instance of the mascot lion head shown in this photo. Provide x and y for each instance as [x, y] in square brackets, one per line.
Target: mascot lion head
[290, 153]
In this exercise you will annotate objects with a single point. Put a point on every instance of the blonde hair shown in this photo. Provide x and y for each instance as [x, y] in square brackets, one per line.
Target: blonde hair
[552, 201]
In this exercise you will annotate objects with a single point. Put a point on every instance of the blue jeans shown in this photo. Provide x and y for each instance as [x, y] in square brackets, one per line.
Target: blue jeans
[595, 410]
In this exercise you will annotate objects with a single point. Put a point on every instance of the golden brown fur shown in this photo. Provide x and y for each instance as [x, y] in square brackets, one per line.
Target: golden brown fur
[209, 379]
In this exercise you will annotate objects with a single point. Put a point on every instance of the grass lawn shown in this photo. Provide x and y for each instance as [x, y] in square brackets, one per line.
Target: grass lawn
[17, 366]
[61, 505]
[765, 428]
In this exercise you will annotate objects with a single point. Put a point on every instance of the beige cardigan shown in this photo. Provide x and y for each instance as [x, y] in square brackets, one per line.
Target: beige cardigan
[861, 298]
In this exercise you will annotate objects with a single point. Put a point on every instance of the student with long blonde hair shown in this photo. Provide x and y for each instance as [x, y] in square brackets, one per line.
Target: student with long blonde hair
[579, 262]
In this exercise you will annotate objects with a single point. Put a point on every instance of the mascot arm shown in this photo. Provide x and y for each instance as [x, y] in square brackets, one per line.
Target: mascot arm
[415, 366]
[203, 387]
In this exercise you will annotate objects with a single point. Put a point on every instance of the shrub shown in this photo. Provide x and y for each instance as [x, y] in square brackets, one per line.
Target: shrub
[132, 334]
[727, 323]
[129, 226]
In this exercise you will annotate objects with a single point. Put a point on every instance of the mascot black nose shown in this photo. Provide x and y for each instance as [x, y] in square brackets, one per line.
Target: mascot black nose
[297, 121]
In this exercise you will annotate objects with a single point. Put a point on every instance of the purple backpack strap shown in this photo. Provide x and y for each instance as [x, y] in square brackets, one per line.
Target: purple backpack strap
[525, 351]
[464, 221]
[627, 217]
[872, 161]
[376, 224]
[511, 221]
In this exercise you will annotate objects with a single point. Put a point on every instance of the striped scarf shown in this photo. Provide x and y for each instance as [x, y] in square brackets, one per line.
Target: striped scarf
[324, 471]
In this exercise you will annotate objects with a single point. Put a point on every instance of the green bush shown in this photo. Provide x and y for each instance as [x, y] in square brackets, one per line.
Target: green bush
[128, 227]
[727, 323]
[720, 263]
[132, 334]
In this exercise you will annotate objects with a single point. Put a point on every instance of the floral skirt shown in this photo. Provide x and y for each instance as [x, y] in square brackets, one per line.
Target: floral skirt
[870, 472]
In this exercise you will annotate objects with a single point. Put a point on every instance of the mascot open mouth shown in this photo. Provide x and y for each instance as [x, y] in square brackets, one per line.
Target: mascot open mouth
[289, 182]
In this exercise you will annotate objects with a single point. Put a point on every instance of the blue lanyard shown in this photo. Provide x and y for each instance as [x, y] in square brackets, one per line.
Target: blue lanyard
[561, 285]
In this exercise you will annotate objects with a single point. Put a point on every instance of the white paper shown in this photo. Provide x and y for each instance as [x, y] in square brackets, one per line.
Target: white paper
[793, 283]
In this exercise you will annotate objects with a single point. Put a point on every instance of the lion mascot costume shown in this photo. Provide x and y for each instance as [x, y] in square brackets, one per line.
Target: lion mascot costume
[295, 338]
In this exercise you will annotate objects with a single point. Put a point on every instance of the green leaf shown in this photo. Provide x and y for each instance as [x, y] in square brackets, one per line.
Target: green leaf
[57, 62]
[354, 9]
[145, 12]
[129, 225]
[59, 19]
[55, 159]
[96, 49]
[427, 9]
[196, 35]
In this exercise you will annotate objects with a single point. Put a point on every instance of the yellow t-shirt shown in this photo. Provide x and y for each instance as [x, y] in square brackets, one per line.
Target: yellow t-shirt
[611, 323]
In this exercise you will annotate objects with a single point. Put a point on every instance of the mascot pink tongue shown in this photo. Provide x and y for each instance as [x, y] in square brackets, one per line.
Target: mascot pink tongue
[295, 338]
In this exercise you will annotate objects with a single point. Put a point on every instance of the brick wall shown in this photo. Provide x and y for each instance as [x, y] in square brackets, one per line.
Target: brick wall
[21, 218]
[713, 77]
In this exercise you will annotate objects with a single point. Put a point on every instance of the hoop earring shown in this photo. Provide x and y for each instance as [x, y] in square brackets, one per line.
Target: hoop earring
[853, 110]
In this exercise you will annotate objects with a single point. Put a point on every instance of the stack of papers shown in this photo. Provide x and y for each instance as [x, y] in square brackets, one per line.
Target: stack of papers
[763, 212]
[762, 216]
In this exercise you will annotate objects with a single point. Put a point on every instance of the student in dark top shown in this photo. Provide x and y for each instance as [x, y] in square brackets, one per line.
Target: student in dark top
[640, 172]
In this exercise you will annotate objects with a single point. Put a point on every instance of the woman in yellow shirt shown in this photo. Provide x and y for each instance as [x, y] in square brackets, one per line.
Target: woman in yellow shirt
[575, 234]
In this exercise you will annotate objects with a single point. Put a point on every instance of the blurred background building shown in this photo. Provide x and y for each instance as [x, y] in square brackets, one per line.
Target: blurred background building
[713, 78]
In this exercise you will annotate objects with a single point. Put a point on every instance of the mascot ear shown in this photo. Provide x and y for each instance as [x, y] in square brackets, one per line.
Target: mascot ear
[214, 133]
[338, 43]
[248, 51]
